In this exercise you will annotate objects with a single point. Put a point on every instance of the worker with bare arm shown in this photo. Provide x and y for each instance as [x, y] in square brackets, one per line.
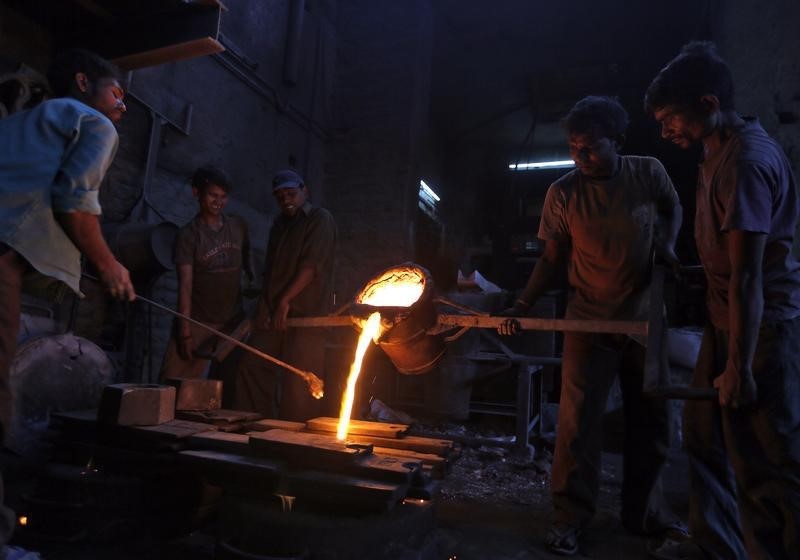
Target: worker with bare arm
[211, 253]
[744, 448]
[298, 281]
[604, 220]
[53, 159]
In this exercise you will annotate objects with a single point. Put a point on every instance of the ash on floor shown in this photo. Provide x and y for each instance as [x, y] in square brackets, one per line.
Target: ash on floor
[496, 506]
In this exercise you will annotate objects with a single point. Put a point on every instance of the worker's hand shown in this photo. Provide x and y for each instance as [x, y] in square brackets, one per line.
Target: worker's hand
[280, 314]
[262, 319]
[511, 326]
[117, 280]
[185, 346]
[736, 388]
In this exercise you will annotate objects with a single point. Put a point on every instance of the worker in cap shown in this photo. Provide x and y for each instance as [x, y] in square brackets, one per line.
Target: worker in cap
[297, 281]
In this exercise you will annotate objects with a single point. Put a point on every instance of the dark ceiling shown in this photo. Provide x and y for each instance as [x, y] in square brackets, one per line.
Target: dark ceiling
[498, 66]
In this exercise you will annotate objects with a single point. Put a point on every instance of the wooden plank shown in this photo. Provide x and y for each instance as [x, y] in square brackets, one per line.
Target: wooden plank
[393, 469]
[174, 429]
[220, 457]
[78, 423]
[273, 423]
[302, 448]
[343, 491]
[257, 476]
[327, 424]
[88, 416]
[323, 321]
[385, 468]
[437, 464]
[231, 469]
[221, 441]
[219, 416]
[171, 53]
[538, 324]
[493, 322]
[441, 447]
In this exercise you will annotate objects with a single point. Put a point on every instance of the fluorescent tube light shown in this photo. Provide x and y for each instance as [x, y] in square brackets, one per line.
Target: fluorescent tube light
[429, 191]
[562, 163]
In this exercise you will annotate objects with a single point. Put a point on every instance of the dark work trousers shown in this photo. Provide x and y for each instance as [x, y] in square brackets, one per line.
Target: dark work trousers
[589, 365]
[12, 268]
[264, 387]
[745, 464]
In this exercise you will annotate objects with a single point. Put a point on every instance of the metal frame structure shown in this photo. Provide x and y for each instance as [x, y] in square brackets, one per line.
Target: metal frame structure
[651, 329]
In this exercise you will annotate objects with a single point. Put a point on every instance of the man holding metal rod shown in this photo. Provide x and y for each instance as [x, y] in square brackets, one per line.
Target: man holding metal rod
[746, 222]
[53, 160]
[211, 253]
[298, 281]
[605, 219]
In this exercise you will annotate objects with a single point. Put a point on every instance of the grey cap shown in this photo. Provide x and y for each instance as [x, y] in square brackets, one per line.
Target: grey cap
[288, 178]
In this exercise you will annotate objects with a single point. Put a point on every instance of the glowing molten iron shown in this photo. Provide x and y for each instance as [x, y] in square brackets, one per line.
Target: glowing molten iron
[399, 287]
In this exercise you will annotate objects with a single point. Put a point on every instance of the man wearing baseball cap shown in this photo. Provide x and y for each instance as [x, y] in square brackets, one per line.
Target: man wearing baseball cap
[298, 281]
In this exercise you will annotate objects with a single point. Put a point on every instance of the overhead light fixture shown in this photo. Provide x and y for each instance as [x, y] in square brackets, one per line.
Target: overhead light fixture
[429, 191]
[428, 200]
[561, 163]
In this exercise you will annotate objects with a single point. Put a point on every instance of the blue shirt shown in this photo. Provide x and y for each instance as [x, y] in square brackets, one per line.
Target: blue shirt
[52, 160]
[747, 185]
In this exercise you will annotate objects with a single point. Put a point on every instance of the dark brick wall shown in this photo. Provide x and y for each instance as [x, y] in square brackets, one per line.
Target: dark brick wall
[244, 118]
[372, 165]
[762, 51]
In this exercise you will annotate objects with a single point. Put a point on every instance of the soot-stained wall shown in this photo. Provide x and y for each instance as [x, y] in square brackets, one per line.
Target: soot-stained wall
[760, 42]
[381, 100]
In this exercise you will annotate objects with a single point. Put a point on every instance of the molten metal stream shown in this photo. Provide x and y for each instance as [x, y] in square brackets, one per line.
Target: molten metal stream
[370, 331]
[400, 287]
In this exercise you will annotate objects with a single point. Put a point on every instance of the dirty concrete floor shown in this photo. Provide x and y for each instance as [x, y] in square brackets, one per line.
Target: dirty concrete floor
[499, 510]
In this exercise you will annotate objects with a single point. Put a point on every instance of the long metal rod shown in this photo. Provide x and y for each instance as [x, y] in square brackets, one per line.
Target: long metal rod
[539, 324]
[492, 322]
[322, 321]
[315, 384]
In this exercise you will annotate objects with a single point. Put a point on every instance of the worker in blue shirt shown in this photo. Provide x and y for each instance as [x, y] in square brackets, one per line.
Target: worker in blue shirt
[53, 160]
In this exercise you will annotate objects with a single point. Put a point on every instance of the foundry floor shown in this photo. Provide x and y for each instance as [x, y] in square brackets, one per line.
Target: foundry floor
[470, 525]
[479, 530]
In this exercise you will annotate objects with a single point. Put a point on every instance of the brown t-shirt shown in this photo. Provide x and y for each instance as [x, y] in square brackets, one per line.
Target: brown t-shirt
[217, 258]
[609, 227]
[308, 238]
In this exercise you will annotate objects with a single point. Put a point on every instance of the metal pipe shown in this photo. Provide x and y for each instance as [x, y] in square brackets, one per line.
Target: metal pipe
[493, 322]
[315, 384]
[232, 62]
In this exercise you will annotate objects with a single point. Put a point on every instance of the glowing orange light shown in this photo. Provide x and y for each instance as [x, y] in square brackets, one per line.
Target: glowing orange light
[370, 331]
[400, 287]
[396, 288]
[23, 520]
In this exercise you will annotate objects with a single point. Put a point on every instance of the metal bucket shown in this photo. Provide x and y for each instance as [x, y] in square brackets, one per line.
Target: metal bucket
[406, 339]
[144, 249]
